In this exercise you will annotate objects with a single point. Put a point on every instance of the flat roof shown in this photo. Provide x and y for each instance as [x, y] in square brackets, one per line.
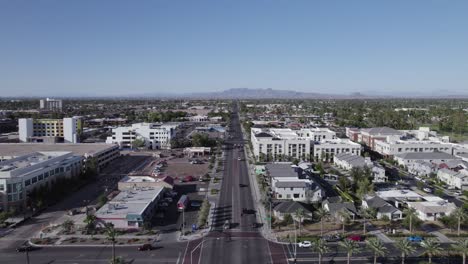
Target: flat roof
[20, 149]
[129, 202]
[398, 194]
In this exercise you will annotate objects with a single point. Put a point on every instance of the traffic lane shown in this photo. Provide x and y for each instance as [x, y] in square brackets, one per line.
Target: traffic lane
[78, 254]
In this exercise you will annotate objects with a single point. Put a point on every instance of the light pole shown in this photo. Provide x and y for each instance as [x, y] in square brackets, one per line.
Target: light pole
[27, 255]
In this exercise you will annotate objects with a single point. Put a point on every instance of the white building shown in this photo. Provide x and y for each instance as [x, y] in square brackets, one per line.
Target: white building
[432, 209]
[50, 130]
[50, 104]
[383, 208]
[453, 178]
[422, 168]
[18, 176]
[287, 184]
[102, 154]
[154, 135]
[131, 208]
[302, 144]
[394, 147]
[349, 161]
[407, 159]
[198, 118]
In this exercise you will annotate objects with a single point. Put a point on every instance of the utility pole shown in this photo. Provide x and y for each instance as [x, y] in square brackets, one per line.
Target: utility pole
[27, 255]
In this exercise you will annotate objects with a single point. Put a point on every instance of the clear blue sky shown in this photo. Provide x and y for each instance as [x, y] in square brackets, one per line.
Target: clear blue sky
[114, 47]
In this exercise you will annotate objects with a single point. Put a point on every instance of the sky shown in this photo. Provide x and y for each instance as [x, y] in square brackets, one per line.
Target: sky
[99, 48]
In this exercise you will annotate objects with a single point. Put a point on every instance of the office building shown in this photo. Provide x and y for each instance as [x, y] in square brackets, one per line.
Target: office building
[50, 104]
[18, 176]
[103, 154]
[66, 130]
[154, 135]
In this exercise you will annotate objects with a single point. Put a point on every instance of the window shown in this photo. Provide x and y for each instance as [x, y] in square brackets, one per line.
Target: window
[34, 180]
[52, 172]
[61, 169]
[27, 182]
[40, 177]
[2, 187]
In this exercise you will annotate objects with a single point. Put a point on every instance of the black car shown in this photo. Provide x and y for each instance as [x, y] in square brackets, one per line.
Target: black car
[24, 248]
[145, 247]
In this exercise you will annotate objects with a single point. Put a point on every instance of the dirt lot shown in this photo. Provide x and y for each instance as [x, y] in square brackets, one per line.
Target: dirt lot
[180, 167]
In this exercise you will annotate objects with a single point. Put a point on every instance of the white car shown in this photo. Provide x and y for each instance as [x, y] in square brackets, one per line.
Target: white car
[427, 190]
[457, 193]
[305, 244]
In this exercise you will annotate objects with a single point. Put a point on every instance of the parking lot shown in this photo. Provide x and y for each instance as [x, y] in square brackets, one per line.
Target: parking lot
[168, 218]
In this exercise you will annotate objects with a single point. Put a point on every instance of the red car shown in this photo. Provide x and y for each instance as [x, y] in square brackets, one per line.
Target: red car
[188, 179]
[356, 238]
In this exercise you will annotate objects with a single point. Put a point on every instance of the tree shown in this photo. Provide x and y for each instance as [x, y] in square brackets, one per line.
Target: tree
[288, 219]
[90, 222]
[111, 235]
[351, 248]
[299, 214]
[462, 248]
[367, 213]
[68, 225]
[321, 214]
[431, 248]
[102, 199]
[377, 247]
[460, 215]
[364, 187]
[405, 247]
[321, 247]
[138, 143]
[410, 218]
[344, 218]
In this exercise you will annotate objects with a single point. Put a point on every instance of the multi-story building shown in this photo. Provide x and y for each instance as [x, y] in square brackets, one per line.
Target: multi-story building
[457, 179]
[50, 130]
[275, 144]
[101, 153]
[436, 157]
[18, 176]
[154, 135]
[392, 148]
[50, 104]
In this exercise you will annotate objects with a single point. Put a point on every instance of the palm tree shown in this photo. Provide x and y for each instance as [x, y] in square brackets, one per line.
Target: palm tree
[321, 247]
[111, 234]
[462, 248]
[367, 213]
[351, 248]
[410, 214]
[460, 214]
[299, 214]
[321, 214]
[431, 248]
[405, 247]
[377, 247]
[344, 217]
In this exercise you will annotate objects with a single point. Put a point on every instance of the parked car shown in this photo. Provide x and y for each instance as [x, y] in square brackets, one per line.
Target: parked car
[415, 238]
[428, 190]
[457, 193]
[356, 238]
[145, 247]
[168, 199]
[195, 204]
[332, 238]
[163, 204]
[188, 179]
[305, 244]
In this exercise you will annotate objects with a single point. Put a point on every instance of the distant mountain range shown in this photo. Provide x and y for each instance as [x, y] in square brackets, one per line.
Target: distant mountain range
[269, 93]
[260, 93]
